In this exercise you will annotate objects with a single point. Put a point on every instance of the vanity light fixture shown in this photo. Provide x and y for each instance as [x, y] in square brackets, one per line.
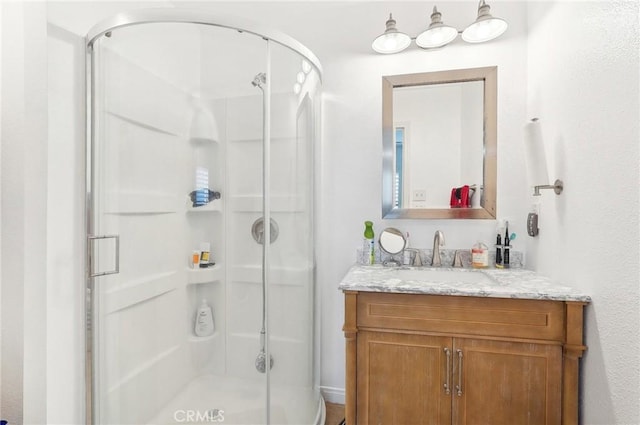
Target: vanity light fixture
[484, 28]
[538, 175]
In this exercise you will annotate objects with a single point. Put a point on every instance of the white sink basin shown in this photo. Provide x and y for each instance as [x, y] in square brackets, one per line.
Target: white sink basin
[442, 276]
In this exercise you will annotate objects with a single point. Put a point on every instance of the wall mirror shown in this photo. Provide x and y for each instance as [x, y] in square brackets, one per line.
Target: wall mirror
[439, 140]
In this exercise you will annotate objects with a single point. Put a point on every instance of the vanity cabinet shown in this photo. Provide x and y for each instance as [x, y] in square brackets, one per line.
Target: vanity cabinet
[434, 359]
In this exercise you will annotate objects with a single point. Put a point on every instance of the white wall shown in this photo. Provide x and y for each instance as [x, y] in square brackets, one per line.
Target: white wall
[472, 136]
[65, 230]
[24, 183]
[1, 331]
[433, 142]
[12, 241]
[584, 88]
[24, 211]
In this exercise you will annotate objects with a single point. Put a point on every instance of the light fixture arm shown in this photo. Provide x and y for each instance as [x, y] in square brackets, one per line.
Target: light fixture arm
[483, 10]
[391, 23]
[557, 186]
[436, 17]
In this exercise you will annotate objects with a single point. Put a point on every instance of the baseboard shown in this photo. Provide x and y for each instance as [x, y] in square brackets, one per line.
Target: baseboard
[332, 394]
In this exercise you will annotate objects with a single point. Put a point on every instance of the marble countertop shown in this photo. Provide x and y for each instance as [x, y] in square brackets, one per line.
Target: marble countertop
[501, 283]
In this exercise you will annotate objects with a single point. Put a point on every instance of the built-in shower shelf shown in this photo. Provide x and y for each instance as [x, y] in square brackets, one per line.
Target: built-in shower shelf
[213, 206]
[197, 339]
[139, 290]
[208, 275]
[143, 123]
[202, 140]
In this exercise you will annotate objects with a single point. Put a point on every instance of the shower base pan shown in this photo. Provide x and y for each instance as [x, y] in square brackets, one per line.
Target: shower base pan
[229, 400]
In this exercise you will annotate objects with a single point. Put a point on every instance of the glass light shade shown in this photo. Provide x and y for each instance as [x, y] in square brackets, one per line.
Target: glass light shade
[438, 34]
[436, 37]
[392, 41]
[300, 77]
[485, 28]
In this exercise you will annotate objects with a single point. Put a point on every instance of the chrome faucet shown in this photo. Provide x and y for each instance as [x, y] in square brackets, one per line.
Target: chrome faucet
[438, 241]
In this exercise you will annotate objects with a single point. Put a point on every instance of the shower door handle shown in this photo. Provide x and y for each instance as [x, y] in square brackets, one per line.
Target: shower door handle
[116, 268]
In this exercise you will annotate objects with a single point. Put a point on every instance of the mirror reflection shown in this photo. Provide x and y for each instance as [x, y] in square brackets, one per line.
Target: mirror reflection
[393, 242]
[439, 144]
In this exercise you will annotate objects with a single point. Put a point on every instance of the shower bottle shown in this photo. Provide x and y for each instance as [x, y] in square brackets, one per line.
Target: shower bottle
[204, 320]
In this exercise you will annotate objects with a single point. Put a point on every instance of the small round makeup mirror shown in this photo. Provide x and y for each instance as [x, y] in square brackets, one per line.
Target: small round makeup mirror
[393, 242]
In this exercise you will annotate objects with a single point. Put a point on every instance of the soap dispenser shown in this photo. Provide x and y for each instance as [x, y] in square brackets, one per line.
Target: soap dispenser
[204, 320]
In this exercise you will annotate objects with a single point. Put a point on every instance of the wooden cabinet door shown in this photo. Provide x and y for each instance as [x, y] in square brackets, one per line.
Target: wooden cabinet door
[506, 383]
[401, 378]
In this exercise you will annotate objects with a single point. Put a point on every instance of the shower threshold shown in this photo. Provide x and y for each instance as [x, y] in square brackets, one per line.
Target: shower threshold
[231, 400]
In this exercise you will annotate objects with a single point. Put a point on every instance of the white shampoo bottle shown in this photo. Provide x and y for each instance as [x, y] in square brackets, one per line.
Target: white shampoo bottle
[204, 320]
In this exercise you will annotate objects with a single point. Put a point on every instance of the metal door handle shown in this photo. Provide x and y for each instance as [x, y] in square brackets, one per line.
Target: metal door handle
[90, 255]
[447, 384]
[459, 386]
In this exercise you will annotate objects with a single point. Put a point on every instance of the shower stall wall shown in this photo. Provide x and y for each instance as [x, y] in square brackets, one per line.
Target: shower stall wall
[201, 130]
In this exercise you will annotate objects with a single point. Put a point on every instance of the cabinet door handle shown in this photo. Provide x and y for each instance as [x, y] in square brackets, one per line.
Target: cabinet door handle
[447, 384]
[459, 386]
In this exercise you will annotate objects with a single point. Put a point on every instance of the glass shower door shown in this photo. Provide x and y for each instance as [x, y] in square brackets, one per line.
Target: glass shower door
[139, 193]
[291, 284]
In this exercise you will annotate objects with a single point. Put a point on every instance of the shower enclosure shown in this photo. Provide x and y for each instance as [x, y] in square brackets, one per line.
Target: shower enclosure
[201, 137]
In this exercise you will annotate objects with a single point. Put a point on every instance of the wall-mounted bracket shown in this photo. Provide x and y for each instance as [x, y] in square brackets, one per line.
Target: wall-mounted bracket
[557, 186]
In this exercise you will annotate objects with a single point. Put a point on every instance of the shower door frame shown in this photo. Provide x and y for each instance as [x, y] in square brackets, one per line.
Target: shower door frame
[140, 17]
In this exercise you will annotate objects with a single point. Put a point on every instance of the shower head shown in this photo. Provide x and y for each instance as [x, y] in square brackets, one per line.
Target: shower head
[259, 80]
